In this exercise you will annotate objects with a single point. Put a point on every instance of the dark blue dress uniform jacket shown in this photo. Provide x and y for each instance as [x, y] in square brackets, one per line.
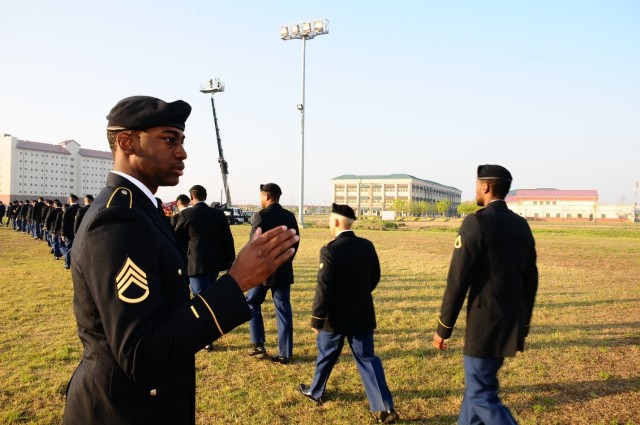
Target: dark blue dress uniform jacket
[349, 271]
[494, 260]
[138, 326]
[207, 238]
[269, 218]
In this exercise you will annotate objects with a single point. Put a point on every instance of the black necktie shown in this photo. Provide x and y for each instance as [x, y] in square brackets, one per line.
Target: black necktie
[159, 202]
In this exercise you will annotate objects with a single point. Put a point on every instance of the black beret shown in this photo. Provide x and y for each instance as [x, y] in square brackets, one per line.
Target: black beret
[271, 188]
[493, 172]
[343, 210]
[143, 112]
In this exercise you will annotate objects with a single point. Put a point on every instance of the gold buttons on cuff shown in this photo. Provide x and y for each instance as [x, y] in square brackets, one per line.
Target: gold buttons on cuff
[153, 392]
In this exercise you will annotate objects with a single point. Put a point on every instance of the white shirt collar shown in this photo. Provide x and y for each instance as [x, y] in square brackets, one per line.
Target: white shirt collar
[344, 231]
[140, 186]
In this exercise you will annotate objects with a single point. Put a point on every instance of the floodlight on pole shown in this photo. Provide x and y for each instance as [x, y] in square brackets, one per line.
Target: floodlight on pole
[214, 86]
[304, 31]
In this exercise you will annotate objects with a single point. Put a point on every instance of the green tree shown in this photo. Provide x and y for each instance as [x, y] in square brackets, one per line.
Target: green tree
[400, 206]
[418, 209]
[443, 207]
[467, 207]
[431, 209]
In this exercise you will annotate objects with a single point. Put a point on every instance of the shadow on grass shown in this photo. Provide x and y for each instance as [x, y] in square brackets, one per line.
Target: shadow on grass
[574, 392]
[336, 394]
[595, 340]
[578, 304]
[546, 329]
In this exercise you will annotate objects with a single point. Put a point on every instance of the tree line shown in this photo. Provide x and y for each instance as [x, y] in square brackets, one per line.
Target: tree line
[432, 209]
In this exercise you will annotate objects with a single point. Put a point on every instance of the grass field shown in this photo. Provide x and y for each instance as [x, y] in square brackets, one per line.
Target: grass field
[582, 364]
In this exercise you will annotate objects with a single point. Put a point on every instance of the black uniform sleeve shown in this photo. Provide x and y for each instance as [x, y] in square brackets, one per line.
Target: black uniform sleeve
[320, 308]
[375, 273]
[466, 252]
[228, 245]
[530, 284]
[148, 336]
[181, 228]
[255, 223]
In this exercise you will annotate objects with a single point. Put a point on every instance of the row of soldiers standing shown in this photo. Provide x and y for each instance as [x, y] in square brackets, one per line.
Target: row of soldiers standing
[48, 220]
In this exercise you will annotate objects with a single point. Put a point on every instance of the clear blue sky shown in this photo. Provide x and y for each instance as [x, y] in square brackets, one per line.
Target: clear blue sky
[550, 89]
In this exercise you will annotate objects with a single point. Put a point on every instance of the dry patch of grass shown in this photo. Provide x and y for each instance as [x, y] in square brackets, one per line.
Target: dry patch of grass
[582, 365]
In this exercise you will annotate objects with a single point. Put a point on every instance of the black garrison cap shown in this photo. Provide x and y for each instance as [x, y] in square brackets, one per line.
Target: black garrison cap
[343, 210]
[493, 172]
[271, 188]
[143, 112]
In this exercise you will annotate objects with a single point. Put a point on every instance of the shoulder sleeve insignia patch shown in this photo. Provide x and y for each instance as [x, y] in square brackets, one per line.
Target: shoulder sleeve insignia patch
[458, 242]
[131, 283]
[321, 265]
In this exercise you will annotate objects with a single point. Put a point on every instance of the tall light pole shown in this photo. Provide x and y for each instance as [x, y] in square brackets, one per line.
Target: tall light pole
[304, 31]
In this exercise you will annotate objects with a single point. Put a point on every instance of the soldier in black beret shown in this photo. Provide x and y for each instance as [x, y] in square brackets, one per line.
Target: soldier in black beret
[138, 326]
[494, 261]
[342, 309]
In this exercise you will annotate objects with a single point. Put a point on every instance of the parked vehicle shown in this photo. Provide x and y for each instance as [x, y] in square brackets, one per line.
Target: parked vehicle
[234, 215]
[248, 215]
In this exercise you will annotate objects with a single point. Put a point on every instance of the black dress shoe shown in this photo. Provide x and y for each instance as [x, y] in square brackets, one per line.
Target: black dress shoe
[281, 359]
[208, 347]
[304, 390]
[258, 351]
[389, 417]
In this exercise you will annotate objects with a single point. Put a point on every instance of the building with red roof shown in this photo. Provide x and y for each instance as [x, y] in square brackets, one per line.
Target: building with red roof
[566, 205]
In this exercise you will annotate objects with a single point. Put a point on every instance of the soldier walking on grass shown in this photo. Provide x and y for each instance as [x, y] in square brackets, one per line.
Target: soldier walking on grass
[494, 261]
[342, 309]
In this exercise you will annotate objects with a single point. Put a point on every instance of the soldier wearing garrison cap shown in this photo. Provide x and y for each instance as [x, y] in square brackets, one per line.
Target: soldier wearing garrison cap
[348, 273]
[138, 326]
[271, 215]
[494, 261]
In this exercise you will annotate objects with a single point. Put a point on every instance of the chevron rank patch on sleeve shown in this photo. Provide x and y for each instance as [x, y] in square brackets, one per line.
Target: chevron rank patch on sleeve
[131, 283]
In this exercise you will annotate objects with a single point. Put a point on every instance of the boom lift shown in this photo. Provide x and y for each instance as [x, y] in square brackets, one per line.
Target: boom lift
[234, 215]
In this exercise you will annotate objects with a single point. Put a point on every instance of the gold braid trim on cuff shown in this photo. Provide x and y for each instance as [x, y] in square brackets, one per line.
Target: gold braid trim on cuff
[448, 327]
[215, 319]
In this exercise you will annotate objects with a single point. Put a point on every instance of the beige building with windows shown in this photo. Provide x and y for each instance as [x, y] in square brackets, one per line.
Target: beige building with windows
[370, 195]
[566, 205]
[30, 169]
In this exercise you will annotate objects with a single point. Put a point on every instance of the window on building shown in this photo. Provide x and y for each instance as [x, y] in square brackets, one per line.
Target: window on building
[548, 215]
[558, 215]
[568, 215]
[535, 202]
[536, 215]
[603, 216]
[554, 202]
[579, 215]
